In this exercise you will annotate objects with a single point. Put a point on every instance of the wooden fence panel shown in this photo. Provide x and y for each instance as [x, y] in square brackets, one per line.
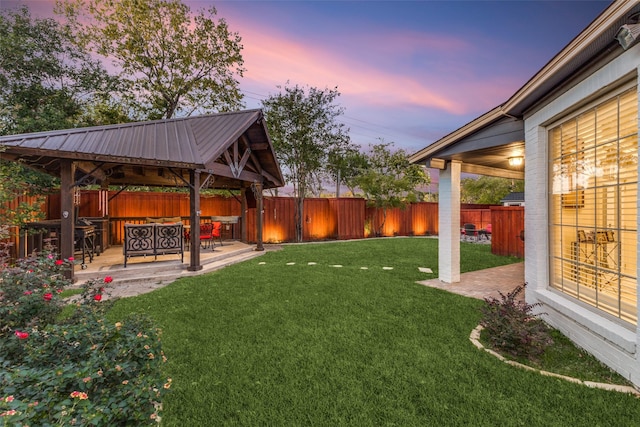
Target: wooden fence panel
[424, 218]
[507, 224]
[349, 213]
[319, 220]
[396, 222]
[278, 220]
[479, 217]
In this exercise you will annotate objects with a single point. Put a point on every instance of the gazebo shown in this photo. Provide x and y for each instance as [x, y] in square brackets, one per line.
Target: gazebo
[221, 151]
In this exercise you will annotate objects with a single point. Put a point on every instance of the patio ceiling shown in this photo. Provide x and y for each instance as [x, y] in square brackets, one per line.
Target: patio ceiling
[482, 146]
[229, 148]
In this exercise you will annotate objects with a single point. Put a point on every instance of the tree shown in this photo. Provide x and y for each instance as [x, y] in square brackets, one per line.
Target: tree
[174, 62]
[389, 180]
[303, 127]
[344, 166]
[487, 190]
[31, 183]
[46, 81]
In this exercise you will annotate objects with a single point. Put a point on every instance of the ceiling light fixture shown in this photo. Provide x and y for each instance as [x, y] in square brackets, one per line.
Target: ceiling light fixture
[516, 161]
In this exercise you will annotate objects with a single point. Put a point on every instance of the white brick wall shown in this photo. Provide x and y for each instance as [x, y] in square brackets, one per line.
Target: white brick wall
[614, 343]
[449, 218]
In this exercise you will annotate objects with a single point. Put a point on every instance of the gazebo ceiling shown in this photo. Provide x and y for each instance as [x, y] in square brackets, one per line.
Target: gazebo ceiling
[229, 148]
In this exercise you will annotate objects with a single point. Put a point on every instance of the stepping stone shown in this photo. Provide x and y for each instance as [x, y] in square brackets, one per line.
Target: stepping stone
[311, 263]
[291, 263]
[261, 263]
[364, 268]
[335, 265]
[387, 268]
[425, 270]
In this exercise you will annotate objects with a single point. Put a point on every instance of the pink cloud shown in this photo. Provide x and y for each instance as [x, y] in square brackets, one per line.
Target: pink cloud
[271, 59]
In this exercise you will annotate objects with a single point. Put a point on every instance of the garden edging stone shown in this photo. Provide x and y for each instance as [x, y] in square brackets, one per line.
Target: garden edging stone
[475, 340]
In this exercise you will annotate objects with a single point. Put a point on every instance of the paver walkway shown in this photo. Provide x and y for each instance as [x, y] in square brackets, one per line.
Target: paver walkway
[484, 283]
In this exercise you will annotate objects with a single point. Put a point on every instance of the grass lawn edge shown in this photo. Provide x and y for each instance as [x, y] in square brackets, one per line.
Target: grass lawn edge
[474, 337]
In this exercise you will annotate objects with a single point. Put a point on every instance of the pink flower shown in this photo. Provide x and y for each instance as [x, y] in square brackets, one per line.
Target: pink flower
[71, 259]
[108, 279]
[59, 262]
[8, 413]
[21, 336]
[97, 297]
[86, 379]
[8, 399]
[47, 296]
[28, 292]
[79, 395]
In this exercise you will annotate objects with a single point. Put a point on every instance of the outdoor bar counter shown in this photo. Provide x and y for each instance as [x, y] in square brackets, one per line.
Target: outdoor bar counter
[91, 237]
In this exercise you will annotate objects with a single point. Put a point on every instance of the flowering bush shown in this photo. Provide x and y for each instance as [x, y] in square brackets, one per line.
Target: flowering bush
[73, 367]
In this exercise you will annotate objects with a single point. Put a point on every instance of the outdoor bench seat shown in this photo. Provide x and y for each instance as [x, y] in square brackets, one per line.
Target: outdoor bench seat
[153, 239]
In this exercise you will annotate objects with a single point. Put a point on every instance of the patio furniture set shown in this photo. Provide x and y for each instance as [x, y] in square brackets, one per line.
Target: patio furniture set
[469, 232]
[166, 235]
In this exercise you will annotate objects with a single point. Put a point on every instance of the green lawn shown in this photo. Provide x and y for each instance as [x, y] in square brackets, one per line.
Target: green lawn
[267, 343]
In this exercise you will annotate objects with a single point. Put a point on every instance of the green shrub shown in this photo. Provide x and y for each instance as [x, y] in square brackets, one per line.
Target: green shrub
[512, 327]
[75, 368]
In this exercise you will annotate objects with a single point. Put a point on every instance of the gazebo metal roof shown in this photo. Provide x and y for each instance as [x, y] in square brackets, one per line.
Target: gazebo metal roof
[234, 147]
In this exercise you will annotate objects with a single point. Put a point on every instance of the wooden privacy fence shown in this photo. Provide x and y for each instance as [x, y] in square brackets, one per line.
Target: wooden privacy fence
[323, 218]
[479, 215]
[507, 231]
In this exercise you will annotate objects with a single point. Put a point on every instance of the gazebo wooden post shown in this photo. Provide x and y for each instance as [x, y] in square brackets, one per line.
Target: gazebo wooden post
[67, 214]
[194, 215]
[243, 215]
[257, 192]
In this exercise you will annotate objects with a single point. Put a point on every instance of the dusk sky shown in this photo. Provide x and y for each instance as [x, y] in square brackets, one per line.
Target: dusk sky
[409, 72]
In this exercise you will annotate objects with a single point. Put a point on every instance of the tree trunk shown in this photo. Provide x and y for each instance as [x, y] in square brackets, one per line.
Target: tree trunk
[384, 219]
[299, 218]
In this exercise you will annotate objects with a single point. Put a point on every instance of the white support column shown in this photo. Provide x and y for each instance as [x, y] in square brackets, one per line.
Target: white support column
[449, 223]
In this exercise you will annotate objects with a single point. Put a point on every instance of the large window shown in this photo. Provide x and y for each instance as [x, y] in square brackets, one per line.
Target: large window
[594, 187]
